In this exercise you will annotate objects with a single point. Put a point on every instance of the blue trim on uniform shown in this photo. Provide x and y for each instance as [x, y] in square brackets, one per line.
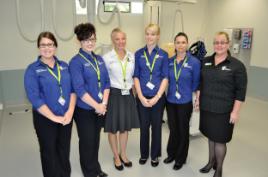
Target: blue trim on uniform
[42, 88]
[85, 79]
[142, 72]
[188, 81]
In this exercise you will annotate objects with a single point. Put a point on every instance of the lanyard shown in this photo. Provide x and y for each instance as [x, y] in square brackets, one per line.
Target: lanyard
[124, 69]
[58, 78]
[177, 74]
[97, 69]
[148, 64]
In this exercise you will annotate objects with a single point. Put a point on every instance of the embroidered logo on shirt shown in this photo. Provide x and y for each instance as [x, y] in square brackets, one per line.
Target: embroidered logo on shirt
[187, 66]
[208, 64]
[224, 68]
[87, 65]
[100, 63]
[40, 70]
[62, 68]
[142, 56]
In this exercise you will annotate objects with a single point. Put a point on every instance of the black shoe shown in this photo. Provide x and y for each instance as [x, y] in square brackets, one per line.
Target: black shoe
[155, 162]
[126, 164]
[206, 168]
[177, 166]
[142, 161]
[120, 167]
[102, 174]
[168, 160]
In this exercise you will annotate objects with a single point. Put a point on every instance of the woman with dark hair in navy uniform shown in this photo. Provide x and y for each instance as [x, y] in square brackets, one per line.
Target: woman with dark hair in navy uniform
[150, 80]
[47, 84]
[92, 85]
[184, 76]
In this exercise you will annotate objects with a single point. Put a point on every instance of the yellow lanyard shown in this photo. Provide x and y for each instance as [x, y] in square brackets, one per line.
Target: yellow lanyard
[177, 74]
[58, 78]
[124, 69]
[97, 69]
[148, 64]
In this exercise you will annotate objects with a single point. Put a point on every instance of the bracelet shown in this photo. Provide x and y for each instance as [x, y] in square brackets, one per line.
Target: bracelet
[158, 95]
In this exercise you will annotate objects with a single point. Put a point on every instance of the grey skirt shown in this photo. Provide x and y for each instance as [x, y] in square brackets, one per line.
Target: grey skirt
[121, 113]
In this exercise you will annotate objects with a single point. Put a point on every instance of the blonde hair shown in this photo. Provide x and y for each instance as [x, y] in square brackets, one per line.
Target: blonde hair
[117, 30]
[155, 28]
[225, 34]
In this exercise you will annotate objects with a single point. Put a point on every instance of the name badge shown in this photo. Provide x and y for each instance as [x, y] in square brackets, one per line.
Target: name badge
[125, 92]
[150, 85]
[61, 100]
[100, 95]
[177, 95]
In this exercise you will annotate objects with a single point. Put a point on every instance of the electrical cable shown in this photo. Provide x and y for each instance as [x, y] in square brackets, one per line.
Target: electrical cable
[22, 33]
[54, 21]
[115, 10]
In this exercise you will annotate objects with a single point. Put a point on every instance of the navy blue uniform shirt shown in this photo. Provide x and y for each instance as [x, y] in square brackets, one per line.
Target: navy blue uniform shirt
[85, 79]
[43, 89]
[188, 81]
[142, 71]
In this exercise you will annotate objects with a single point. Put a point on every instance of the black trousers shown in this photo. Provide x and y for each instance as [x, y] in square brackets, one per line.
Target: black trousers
[54, 141]
[178, 121]
[151, 116]
[88, 127]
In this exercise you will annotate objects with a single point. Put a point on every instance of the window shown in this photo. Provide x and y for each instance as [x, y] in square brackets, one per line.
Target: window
[123, 6]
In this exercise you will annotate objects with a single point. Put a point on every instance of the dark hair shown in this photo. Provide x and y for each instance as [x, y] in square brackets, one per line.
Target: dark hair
[181, 34]
[46, 34]
[84, 31]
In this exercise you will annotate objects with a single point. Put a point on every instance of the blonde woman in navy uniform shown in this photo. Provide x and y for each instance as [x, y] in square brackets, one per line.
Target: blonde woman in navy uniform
[91, 84]
[184, 76]
[48, 87]
[150, 79]
[122, 115]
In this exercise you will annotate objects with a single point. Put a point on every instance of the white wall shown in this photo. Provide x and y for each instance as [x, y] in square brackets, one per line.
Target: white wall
[241, 14]
[17, 53]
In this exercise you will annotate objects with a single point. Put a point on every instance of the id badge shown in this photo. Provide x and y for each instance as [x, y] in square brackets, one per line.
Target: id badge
[150, 85]
[125, 92]
[100, 95]
[61, 100]
[178, 95]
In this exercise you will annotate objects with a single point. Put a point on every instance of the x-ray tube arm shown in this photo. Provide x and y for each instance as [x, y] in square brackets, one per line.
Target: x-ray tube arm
[19, 20]
[116, 10]
[54, 21]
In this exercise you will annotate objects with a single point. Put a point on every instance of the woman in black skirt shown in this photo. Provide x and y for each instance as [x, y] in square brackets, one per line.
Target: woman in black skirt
[121, 115]
[222, 91]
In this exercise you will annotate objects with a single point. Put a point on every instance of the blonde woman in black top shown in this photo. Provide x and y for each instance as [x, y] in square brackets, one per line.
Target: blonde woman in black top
[222, 91]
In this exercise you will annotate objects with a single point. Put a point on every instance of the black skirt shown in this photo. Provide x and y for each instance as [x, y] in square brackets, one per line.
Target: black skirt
[216, 126]
[121, 113]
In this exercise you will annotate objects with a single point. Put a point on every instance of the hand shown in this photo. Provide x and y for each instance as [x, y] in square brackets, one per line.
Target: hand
[101, 109]
[196, 105]
[145, 102]
[58, 119]
[234, 117]
[153, 100]
[67, 118]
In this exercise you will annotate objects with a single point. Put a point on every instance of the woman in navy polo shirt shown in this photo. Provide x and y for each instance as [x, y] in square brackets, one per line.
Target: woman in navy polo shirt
[150, 80]
[184, 76]
[91, 84]
[47, 84]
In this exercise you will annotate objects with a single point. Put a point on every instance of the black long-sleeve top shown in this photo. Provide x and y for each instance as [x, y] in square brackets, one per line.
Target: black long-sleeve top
[221, 85]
